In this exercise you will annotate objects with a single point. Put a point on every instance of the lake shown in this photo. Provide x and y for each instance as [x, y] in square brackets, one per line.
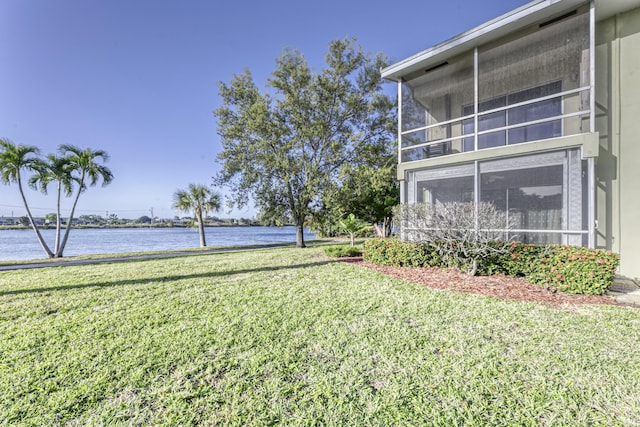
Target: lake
[23, 244]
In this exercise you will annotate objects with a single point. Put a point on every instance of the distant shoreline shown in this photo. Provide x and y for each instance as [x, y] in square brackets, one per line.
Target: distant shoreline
[120, 226]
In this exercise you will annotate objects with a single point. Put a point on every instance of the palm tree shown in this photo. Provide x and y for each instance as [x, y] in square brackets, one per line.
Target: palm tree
[13, 159]
[353, 226]
[85, 171]
[54, 169]
[200, 199]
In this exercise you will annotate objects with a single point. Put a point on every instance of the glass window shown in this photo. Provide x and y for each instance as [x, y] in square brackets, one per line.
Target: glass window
[522, 114]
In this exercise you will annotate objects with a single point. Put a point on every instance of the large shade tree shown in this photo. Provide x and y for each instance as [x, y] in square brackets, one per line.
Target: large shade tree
[200, 200]
[283, 149]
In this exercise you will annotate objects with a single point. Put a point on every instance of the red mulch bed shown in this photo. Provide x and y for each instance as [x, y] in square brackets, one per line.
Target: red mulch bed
[499, 286]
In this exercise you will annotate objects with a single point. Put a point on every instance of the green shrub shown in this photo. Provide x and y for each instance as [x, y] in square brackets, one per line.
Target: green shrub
[515, 262]
[570, 269]
[340, 251]
[398, 253]
[573, 269]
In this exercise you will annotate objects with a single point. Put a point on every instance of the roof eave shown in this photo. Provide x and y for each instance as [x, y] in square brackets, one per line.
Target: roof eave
[510, 22]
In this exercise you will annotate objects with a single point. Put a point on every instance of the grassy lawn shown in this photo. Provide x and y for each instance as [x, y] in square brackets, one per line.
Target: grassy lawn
[287, 336]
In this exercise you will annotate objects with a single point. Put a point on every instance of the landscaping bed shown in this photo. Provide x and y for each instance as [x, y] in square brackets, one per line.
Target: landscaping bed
[499, 286]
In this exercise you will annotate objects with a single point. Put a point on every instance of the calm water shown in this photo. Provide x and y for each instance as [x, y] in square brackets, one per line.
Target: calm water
[23, 244]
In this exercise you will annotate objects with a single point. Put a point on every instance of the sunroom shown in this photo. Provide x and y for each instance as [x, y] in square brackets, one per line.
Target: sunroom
[504, 114]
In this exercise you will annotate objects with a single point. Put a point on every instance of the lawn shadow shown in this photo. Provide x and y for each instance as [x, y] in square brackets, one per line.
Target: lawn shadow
[148, 279]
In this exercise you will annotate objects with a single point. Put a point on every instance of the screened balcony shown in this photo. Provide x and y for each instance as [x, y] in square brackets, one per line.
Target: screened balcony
[529, 86]
[544, 196]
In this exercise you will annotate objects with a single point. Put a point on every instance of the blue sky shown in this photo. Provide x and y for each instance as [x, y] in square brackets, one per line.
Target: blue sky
[139, 78]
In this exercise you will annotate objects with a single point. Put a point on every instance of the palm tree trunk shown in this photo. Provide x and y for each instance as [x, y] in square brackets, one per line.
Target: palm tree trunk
[57, 242]
[59, 253]
[43, 244]
[203, 241]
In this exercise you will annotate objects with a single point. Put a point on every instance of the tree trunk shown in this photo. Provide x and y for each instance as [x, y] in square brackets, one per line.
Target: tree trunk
[70, 220]
[56, 248]
[43, 244]
[300, 234]
[203, 241]
[388, 221]
[473, 268]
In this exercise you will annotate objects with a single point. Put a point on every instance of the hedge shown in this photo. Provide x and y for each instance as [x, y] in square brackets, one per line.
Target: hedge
[341, 251]
[570, 269]
[398, 253]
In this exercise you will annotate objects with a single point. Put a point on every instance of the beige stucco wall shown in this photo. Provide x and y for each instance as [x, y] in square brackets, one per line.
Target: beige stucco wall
[618, 123]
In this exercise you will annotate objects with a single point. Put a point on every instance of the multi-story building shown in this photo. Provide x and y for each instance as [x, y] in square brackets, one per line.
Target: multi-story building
[538, 112]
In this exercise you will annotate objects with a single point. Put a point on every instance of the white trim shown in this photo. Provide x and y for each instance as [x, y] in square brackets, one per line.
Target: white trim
[495, 110]
[512, 230]
[534, 100]
[591, 179]
[592, 65]
[399, 122]
[535, 122]
[503, 25]
[446, 122]
[484, 132]
[476, 99]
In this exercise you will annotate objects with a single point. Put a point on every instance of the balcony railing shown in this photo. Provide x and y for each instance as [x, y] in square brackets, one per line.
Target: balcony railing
[569, 116]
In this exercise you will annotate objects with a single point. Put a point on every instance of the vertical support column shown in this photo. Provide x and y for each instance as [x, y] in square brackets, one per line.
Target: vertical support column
[575, 197]
[476, 193]
[507, 219]
[476, 164]
[591, 170]
[591, 182]
[403, 200]
[475, 99]
[399, 121]
[565, 197]
[592, 67]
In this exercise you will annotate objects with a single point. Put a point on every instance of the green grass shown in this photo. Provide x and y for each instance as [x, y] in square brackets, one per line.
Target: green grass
[288, 336]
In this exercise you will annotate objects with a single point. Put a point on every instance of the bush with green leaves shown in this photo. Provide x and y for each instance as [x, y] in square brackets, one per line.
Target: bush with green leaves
[574, 270]
[341, 251]
[570, 269]
[398, 253]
